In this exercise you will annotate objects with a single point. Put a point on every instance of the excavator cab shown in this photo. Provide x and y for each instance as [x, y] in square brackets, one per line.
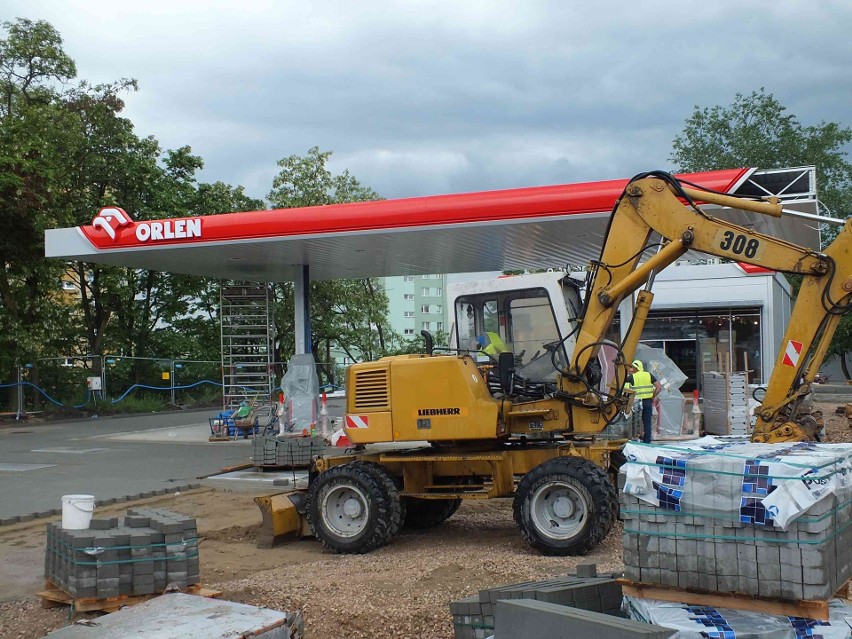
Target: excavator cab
[532, 316]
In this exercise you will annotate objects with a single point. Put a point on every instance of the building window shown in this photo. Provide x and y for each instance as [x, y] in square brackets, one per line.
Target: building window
[429, 291]
[408, 296]
[430, 308]
[408, 314]
[68, 286]
[439, 326]
[427, 326]
[408, 331]
[432, 276]
[408, 278]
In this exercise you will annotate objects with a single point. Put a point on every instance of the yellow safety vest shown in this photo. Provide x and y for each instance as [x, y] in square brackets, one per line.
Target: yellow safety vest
[495, 345]
[642, 385]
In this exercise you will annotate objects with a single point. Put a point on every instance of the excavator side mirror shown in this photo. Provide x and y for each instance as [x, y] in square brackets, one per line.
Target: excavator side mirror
[430, 342]
[505, 369]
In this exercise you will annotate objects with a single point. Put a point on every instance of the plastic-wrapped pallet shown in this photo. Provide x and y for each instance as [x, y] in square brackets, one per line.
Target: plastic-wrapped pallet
[727, 515]
[699, 622]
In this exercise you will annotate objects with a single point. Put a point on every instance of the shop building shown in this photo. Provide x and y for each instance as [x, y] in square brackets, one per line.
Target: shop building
[708, 316]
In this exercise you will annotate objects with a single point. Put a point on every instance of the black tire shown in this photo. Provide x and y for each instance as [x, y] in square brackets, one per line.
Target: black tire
[582, 517]
[354, 508]
[426, 513]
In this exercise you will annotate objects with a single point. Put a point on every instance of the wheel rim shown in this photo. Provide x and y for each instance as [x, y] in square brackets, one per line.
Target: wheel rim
[345, 511]
[559, 510]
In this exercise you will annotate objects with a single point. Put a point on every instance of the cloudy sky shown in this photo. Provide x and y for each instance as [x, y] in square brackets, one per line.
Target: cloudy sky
[419, 98]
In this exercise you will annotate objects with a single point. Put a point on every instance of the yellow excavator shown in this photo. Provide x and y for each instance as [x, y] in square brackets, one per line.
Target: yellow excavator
[536, 422]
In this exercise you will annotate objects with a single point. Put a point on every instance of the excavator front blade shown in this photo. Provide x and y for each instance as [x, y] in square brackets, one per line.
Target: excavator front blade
[283, 518]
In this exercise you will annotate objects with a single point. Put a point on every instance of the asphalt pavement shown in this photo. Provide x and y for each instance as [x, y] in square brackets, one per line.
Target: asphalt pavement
[110, 457]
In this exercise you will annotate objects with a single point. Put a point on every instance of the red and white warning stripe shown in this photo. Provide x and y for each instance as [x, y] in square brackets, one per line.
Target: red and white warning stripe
[357, 421]
[792, 353]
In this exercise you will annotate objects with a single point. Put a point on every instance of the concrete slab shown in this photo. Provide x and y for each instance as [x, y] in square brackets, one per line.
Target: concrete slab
[198, 433]
[180, 616]
[252, 480]
[525, 619]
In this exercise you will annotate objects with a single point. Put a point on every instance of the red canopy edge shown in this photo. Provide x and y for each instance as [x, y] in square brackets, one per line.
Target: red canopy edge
[464, 208]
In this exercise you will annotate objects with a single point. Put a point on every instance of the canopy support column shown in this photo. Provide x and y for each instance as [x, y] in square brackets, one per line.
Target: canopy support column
[302, 305]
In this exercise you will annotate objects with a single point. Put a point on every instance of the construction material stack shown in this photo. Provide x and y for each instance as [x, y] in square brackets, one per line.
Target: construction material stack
[474, 617]
[142, 553]
[728, 516]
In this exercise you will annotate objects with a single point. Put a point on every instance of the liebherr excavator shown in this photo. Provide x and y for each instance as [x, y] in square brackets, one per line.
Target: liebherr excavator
[529, 423]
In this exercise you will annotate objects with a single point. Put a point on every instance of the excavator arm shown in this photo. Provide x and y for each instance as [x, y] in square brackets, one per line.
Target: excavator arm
[658, 204]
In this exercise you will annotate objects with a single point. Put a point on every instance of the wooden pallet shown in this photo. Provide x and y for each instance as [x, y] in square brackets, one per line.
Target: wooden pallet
[53, 596]
[811, 609]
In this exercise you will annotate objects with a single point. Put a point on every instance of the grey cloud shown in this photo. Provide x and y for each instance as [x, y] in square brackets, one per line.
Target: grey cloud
[418, 98]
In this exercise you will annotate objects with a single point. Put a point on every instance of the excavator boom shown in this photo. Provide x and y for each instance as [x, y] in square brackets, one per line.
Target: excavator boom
[658, 204]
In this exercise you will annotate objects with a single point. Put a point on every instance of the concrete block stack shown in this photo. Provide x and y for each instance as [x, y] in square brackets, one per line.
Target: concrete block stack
[692, 540]
[286, 451]
[473, 617]
[139, 554]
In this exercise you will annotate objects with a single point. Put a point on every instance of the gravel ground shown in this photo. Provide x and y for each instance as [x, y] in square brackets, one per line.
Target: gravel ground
[402, 590]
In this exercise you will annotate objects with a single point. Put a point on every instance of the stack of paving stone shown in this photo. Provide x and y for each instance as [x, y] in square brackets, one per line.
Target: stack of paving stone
[286, 451]
[691, 542]
[473, 617]
[139, 554]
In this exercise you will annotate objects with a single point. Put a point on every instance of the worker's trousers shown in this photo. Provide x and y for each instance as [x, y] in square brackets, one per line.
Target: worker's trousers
[647, 419]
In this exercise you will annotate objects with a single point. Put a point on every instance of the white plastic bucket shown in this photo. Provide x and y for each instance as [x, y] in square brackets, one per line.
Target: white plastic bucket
[77, 511]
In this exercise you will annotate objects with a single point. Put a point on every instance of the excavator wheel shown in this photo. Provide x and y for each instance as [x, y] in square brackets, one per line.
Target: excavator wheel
[426, 513]
[565, 506]
[354, 508]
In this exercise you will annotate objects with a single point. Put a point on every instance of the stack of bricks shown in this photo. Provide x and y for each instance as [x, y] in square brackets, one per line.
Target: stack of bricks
[743, 552]
[473, 617]
[142, 553]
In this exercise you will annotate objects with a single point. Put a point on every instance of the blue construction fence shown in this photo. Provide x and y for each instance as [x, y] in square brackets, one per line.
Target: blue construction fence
[85, 382]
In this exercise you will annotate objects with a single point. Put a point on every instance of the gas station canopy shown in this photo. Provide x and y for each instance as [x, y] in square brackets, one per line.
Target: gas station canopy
[526, 228]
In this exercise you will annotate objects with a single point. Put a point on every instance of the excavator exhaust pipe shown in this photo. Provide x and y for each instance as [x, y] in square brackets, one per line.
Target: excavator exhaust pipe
[283, 518]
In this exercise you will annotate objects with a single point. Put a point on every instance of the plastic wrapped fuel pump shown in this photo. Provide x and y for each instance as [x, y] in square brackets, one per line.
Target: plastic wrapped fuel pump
[300, 385]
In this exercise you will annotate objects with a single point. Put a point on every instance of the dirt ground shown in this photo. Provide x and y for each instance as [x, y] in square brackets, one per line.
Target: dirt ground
[402, 590]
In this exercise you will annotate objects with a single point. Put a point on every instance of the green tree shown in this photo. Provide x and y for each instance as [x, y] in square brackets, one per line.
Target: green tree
[346, 314]
[33, 135]
[756, 130]
[66, 151]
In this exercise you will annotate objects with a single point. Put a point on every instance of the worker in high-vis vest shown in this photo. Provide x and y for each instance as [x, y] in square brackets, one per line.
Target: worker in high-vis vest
[491, 344]
[646, 387]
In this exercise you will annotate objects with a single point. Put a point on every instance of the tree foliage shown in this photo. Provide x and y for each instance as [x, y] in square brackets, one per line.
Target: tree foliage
[346, 315]
[67, 150]
[756, 130]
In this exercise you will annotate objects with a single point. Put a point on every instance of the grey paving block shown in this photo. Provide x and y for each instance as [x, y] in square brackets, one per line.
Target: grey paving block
[727, 583]
[792, 590]
[587, 570]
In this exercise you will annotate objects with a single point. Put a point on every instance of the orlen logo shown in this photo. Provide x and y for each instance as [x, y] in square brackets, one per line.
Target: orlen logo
[168, 229]
[110, 219]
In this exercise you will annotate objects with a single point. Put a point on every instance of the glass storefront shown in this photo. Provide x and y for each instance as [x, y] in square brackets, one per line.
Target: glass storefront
[706, 340]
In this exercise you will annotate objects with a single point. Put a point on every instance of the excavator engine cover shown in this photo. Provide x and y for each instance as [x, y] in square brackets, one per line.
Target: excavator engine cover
[419, 398]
